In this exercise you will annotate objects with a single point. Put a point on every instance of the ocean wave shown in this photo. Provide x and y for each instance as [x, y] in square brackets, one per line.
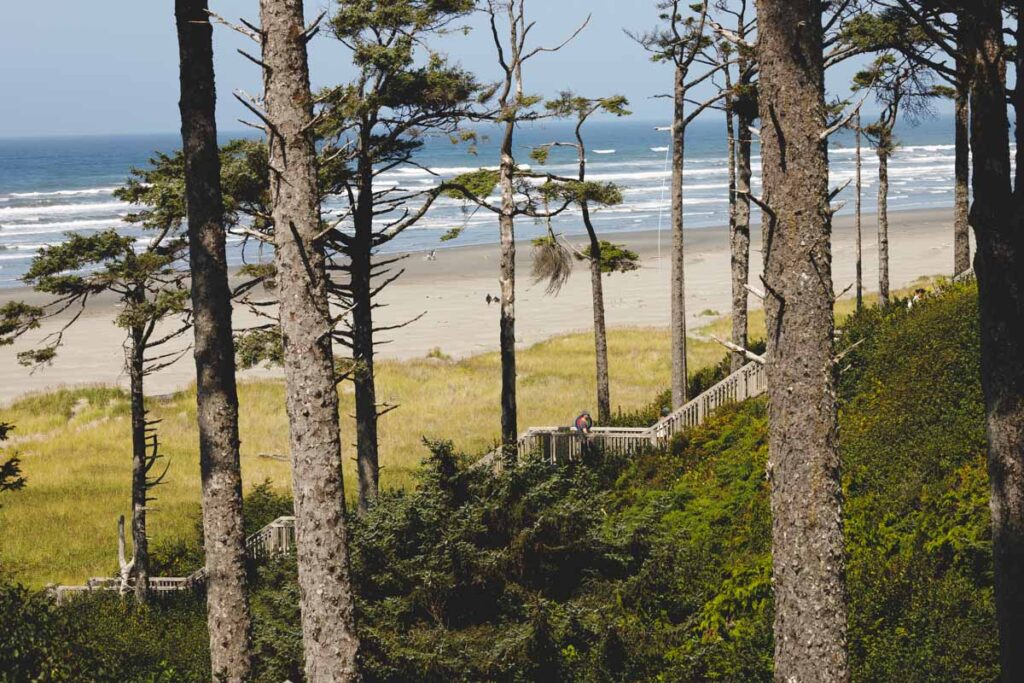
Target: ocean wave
[57, 227]
[65, 193]
[38, 212]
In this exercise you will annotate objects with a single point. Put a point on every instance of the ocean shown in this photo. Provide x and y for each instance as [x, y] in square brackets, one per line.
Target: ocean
[51, 186]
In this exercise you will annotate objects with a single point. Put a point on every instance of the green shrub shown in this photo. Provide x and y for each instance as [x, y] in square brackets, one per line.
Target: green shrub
[917, 522]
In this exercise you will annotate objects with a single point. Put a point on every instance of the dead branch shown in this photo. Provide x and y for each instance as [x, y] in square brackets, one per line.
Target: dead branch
[746, 353]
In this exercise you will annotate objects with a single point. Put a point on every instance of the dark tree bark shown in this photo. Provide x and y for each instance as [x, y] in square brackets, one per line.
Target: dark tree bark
[361, 285]
[962, 165]
[677, 291]
[330, 641]
[883, 219]
[227, 606]
[140, 541]
[806, 498]
[999, 263]
[860, 202]
[604, 401]
[506, 227]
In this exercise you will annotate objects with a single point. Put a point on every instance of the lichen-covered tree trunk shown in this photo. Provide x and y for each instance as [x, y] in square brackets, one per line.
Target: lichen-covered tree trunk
[739, 225]
[999, 263]
[741, 238]
[140, 542]
[883, 225]
[604, 401]
[962, 166]
[806, 498]
[330, 642]
[506, 227]
[677, 291]
[227, 606]
[736, 358]
[859, 211]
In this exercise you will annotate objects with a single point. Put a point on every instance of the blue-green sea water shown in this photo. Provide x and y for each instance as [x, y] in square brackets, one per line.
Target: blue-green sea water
[50, 186]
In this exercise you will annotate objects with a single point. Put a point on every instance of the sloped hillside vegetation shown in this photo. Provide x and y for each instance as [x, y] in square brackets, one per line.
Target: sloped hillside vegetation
[657, 568]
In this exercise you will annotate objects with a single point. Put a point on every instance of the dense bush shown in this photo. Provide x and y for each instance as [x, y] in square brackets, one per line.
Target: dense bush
[100, 637]
[917, 519]
[655, 569]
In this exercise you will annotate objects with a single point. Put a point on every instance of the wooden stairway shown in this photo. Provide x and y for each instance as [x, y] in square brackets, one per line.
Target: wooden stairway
[559, 443]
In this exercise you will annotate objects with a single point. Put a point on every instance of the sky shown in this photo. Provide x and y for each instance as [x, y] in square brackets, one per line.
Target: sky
[69, 67]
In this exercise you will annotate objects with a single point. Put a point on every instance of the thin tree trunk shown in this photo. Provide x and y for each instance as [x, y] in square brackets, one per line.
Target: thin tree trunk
[806, 497]
[883, 223]
[962, 166]
[140, 542]
[859, 225]
[999, 263]
[506, 226]
[677, 293]
[330, 641]
[741, 242]
[736, 358]
[227, 606]
[604, 401]
[361, 271]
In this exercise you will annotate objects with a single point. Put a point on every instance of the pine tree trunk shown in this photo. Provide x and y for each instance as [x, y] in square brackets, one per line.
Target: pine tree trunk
[962, 167]
[883, 223]
[140, 542]
[677, 293]
[860, 202]
[806, 498]
[330, 641]
[506, 225]
[736, 358]
[227, 606]
[604, 401]
[361, 269]
[741, 240]
[999, 263]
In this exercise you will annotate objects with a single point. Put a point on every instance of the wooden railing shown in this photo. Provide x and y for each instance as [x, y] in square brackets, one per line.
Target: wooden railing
[560, 443]
[276, 538]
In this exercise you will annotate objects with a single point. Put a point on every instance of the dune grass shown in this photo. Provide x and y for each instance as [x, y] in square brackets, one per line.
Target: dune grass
[75, 443]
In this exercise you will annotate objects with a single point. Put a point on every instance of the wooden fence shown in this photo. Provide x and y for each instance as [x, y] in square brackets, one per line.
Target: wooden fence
[276, 538]
[560, 443]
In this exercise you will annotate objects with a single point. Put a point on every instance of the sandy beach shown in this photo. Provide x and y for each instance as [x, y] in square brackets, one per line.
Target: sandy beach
[451, 294]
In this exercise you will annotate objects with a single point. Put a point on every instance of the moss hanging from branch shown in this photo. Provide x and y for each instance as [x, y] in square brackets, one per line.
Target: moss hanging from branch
[552, 262]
